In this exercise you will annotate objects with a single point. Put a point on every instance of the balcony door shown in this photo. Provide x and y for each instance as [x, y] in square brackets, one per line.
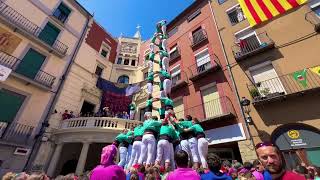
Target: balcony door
[179, 108]
[49, 34]
[211, 101]
[266, 80]
[10, 103]
[31, 64]
[203, 61]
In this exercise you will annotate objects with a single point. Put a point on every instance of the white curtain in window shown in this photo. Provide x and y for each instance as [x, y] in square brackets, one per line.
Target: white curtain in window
[203, 58]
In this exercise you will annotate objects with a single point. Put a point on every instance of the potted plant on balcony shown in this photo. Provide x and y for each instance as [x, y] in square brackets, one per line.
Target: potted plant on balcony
[255, 94]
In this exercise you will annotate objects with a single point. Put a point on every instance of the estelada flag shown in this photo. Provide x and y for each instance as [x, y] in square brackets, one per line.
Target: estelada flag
[258, 11]
[301, 77]
[316, 70]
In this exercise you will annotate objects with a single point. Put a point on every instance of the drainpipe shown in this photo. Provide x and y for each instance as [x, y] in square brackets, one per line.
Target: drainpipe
[44, 124]
[230, 73]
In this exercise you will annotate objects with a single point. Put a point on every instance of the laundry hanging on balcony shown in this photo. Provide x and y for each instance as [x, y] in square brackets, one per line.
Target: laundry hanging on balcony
[301, 77]
[116, 96]
[257, 11]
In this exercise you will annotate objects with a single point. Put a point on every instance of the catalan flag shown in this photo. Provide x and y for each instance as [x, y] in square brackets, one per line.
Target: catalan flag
[258, 11]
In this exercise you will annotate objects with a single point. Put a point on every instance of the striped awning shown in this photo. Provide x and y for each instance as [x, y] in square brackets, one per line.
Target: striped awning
[258, 11]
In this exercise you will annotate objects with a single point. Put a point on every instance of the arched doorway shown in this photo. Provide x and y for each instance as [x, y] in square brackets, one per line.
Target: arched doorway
[299, 143]
[69, 167]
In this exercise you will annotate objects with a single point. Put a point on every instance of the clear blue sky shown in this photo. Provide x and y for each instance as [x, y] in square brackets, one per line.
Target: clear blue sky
[123, 16]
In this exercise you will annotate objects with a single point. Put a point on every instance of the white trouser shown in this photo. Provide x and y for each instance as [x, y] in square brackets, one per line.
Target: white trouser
[165, 64]
[164, 29]
[193, 144]
[203, 151]
[164, 44]
[132, 113]
[184, 144]
[149, 144]
[150, 65]
[172, 164]
[128, 155]
[167, 86]
[163, 151]
[135, 153]
[162, 94]
[149, 88]
[123, 155]
[152, 47]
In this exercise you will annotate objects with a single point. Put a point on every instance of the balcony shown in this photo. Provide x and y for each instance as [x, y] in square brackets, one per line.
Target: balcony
[98, 123]
[285, 86]
[251, 46]
[16, 133]
[26, 27]
[198, 37]
[40, 77]
[179, 81]
[218, 109]
[175, 54]
[204, 67]
[236, 15]
[314, 19]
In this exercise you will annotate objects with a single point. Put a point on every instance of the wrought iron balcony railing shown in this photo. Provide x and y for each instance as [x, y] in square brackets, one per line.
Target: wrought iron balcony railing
[204, 66]
[252, 45]
[12, 62]
[18, 20]
[213, 110]
[175, 54]
[314, 19]
[15, 132]
[198, 37]
[285, 85]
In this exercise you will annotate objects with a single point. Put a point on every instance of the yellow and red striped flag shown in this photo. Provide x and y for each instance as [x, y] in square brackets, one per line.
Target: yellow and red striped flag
[258, 11]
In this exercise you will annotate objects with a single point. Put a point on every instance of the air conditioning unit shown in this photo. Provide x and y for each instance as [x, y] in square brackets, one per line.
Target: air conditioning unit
[21, 151]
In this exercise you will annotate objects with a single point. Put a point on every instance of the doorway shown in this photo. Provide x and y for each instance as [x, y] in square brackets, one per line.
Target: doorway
[69, 167]
[87, 109]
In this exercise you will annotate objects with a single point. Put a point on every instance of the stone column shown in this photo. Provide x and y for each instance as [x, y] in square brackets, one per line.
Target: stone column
[54, 160]
[82, 158]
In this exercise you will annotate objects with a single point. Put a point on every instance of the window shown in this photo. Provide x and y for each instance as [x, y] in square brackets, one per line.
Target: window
[123, 79]
[119, 61]
[62, 12]
[10, 104]
[221, 1]
[203, 61]
[142, 112]
[235, 14]
[31, 64]
[176, 75]
[174, 52]
[49, 34]
[179, 108]
[104, 53]
[211, 101]
[173, 31]
[126, 61]
[247, 40]
[194, 15]
[145, 75]
[133, 62]
[99, 71]
[198, 36]
[266, 79]
[317, 10]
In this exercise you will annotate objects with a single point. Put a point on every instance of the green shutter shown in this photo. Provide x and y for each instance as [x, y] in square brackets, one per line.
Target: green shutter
[30, 64]
[10, 104]
[64, 9]
[49, 34]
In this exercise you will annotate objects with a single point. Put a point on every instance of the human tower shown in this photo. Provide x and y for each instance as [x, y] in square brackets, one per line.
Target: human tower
[154, 141]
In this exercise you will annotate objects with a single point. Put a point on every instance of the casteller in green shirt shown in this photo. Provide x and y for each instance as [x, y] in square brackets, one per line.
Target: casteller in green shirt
[166, 101]
[152, 124]
[138, 131]
[196, 128]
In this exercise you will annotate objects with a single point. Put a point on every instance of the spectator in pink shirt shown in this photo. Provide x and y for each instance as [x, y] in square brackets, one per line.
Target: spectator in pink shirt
[182, 172]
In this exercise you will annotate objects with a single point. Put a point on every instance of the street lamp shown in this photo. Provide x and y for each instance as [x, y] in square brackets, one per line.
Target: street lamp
[245, 103]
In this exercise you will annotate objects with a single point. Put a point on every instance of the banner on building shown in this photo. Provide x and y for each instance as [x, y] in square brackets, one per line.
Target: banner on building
[4, 72]
[315, 70]
[8, 41]
[116, 96]
[301, 77]
[258, 11]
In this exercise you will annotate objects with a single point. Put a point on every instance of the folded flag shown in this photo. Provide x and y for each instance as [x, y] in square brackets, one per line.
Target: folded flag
[257, 11]
[315, 70]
